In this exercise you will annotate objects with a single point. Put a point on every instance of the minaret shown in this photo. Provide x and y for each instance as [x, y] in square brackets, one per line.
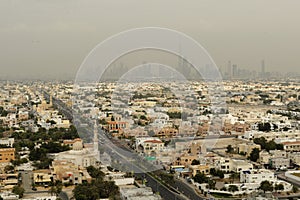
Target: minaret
[96, 142]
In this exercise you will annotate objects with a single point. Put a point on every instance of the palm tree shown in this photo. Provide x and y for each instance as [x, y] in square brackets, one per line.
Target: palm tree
[52, 190]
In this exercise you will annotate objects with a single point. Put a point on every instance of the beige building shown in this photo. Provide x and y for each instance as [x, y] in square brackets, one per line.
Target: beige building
[152, 147]
[185, 160]
[68, 172]
[247, 147]
[291, 146]
[7, 154]
[76, 144]
[196, 169]
[167, 132]
[42, 177]
[7, 181]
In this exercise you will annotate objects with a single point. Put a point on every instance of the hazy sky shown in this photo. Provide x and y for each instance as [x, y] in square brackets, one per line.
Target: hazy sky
[50, 38]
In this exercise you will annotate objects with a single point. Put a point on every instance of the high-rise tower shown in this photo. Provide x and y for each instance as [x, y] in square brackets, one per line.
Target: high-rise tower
[229, 70]
[263, 69]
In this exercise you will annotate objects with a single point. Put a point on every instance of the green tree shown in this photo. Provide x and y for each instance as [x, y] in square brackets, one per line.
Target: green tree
[95, 172]
[220, 174]
[266, 186]
[266, 127]
[52, 190]
[279, 187]
[233, 188]
[271, 145]
[211, 184]
[216, 172]
[97, 189]
[195, 162]
[254, 155]
[18, 190]
[86, 192]
[200, 178]
[212, 171]
[234, 176]
[229, 149]
[8, 168]
[56, 189]
[295, 189]
[261, 141]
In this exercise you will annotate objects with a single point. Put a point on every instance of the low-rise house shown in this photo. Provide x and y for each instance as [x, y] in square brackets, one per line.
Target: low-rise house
[294, 157]
[167, 132]
[143, 193]
[251, 179]
[7, 141]
[152, 147]
[224, 164]
[279, 162]
[257, 176]
[9, 196]
[76, 144]
[119, 178]
[135, 132]
[116, 126]
[228, 165]
[291, 146]
[196, 169]
[241, 165]
[68, 172]
[42, 177]
[264, 157]
[247, 147]
[185, 160]
[8, 180]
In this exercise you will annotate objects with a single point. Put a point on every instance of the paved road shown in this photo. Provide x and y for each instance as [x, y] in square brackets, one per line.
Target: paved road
[60, 106]
[128, 157]
[27, 181]
[164, 192]
[187, 189]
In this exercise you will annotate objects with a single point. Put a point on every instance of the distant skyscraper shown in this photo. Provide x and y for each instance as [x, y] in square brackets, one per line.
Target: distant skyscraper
[234, 71]
[229, 68]
[263, 69]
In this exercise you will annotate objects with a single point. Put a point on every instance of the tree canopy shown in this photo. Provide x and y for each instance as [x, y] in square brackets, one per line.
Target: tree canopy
[18, 190]
[254, 155]
[195, 162]
[264, 144]
[266, 186]
[99, 188]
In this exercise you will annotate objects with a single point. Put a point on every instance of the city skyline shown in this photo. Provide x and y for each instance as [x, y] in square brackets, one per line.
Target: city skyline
[49, 40]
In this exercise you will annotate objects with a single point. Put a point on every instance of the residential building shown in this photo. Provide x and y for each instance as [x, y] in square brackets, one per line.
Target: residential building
[247, 147]
[196, 169]
[279, 162]
[42, 177]
[7, 141]
[291, 146]
[7, 154]
[257, 176]
[76, 144]
[67, 172]
[241, 165]
[7, 181]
